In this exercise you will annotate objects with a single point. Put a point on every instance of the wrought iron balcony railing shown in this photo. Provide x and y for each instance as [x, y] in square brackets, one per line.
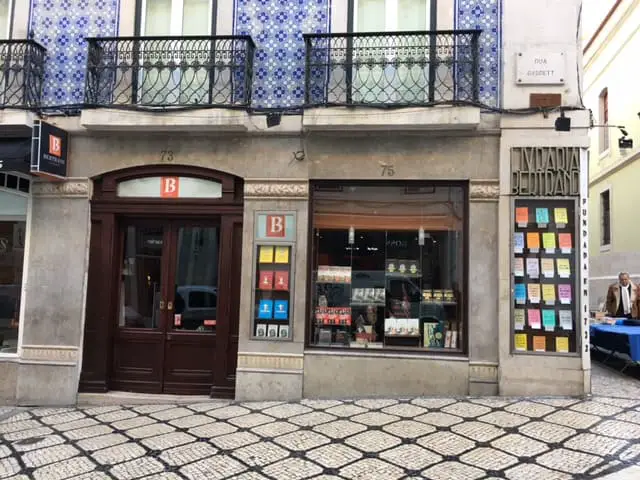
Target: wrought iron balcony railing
[22, 73]
[170, 71]
[392, 68]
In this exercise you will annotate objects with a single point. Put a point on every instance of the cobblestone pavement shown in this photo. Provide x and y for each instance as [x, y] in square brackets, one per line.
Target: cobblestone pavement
[432, 438]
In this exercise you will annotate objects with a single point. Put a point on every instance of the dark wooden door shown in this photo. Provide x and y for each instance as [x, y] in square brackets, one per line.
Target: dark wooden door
[167, 338]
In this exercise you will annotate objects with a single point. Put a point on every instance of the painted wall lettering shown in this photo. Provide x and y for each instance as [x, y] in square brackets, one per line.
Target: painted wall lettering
[545, 171]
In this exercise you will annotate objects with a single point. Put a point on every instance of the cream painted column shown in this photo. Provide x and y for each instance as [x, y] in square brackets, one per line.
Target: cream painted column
[273, 370]
[483, 286]
[54, 293]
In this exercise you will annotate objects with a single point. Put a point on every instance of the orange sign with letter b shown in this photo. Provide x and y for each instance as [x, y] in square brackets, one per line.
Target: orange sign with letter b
[169, 187]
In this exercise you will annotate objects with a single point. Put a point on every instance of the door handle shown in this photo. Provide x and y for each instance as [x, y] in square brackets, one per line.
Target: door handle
[161, 305]
[170, 306]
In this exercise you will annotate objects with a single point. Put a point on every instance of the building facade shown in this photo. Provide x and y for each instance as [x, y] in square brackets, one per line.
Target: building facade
[613, 168]
[332, 199]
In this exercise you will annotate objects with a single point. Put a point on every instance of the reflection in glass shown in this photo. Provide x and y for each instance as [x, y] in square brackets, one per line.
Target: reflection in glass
[12, 236]
[140, 288]
[196, 283]
[388, 267]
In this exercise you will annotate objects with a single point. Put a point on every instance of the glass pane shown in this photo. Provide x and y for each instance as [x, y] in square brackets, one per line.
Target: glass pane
[140, 288]
[412, 15]
[196, 18]
[12, 236]
[4, 19]
[370, 16]
[388, 267]
[196, 283]
[157, 19]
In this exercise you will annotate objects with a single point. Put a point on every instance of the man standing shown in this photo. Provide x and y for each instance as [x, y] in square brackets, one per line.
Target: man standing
[621, 298]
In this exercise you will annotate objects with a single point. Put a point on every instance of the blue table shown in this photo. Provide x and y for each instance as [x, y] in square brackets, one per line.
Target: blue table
[621, 339]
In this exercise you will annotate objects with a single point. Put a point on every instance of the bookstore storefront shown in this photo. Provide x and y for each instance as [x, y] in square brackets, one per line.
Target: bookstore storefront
[388, 266]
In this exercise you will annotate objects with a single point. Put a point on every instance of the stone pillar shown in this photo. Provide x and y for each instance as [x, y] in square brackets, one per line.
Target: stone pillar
[273, 370]
[54, 292]
[483, 287]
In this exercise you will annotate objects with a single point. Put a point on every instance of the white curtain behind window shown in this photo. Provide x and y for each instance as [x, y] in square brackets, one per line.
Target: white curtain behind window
[157, 18]
[377, 80]
[4, 19]
[196, 19]
[176, 18]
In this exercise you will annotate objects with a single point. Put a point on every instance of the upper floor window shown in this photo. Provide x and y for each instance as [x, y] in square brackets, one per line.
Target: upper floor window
[176, 17]
[393, 15]
[604, 120]
[605, 218]
[5, 19]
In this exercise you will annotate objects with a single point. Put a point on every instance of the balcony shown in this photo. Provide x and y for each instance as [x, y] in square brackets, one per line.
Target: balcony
[168, 74]
[396, 69]
[21, 83]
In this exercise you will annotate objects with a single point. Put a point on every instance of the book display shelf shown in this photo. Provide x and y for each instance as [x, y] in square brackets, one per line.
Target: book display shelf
[544, 277]
[273, 292]
[374, 298]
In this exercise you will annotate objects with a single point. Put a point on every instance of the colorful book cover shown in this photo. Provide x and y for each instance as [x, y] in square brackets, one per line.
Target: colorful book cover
[520, 293]
[533, 268]
[560, 215]
[518, 242]
[518, 319]
[566, 319]
[549, 320]
[282, 255]
[564, 267]
[564, 292]
[266, 254]
[542, 216]
[281, 309]
[565, 243]
[520, 342]
[534, 292]
[562, 344]
[549, 241]
[265, 309]
[281, 281]
[547, 267]
[518, 267]
[533, 318]
[539, 344]
[549, 293]
[265, 280]
[522, 216]
[533, 241]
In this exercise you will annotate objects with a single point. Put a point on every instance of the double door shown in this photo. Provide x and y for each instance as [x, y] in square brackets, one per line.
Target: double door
[174, 306]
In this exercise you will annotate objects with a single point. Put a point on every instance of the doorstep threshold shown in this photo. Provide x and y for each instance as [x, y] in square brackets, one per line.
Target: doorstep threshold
[130, 398]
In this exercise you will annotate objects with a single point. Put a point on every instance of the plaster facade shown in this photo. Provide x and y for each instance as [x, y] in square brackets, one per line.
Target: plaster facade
[608, 59]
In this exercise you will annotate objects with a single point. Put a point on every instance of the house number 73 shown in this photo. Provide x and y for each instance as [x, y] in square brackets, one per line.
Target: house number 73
[166, 156]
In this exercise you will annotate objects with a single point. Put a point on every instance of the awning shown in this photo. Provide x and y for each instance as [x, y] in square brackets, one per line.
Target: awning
[15, 155]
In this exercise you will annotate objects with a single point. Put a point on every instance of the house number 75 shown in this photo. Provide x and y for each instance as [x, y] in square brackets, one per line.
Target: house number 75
[387, 171]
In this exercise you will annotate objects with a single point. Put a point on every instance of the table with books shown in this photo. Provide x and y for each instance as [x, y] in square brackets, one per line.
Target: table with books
[620, 340]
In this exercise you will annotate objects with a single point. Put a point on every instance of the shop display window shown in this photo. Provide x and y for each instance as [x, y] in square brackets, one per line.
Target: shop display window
[12, 237]
[544, 273]
[388, 266]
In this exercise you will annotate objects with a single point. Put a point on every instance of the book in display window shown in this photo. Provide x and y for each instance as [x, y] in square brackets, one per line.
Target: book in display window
[390, 286]
[272, 318]
[544, 277]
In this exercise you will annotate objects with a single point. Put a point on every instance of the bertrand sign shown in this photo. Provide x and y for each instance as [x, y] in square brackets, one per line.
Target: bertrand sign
[545, 171]
[49, 151]
[540, 68]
